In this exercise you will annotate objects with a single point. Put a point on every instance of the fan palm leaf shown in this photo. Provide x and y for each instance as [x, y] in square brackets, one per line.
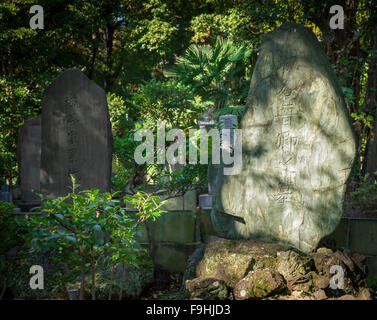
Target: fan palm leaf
[210, 70]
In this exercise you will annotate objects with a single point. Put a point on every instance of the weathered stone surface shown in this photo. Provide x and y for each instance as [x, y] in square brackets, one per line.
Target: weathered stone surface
[207, 288]
[319, 281]
[365, 294]
[29, 158]
[360, 261]
[323, 264]
[232, 260]
[354, 275]
[190, 271]
[291, 263]
[237, 262]
[259, 284]
[76, 135]
[298, 148]
[320, 295]
[325, 251]
[347, 297]
[301, 282]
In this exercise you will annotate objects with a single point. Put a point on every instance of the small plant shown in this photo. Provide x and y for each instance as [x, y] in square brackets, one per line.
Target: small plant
[148, 206]
[87, 230]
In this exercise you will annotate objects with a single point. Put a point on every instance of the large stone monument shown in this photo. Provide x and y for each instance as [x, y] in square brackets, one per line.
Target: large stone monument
[76, 135]
[29, 158]
[298, 148]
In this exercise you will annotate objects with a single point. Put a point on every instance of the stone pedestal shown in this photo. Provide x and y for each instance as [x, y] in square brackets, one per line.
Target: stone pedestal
[260, 270]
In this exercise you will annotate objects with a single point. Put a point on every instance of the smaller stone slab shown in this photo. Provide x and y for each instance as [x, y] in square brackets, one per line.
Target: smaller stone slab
[29, 158]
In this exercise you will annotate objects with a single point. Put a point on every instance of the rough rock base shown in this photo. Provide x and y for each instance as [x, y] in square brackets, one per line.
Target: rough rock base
[230, 269]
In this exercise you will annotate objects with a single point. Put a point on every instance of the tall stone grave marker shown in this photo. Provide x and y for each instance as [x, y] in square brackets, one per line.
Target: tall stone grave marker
[76, 135]
[29, 158]
[298, 148]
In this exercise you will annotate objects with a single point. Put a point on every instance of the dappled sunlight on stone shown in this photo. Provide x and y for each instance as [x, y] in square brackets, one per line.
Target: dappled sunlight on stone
[298, 148]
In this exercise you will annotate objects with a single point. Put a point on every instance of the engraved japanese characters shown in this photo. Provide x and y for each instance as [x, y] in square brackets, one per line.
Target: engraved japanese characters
[76, 135]
[298, 148]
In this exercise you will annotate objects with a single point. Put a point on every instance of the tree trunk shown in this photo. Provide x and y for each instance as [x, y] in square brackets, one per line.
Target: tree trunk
[111, 281]
[93, 60]
[82, 286]
[152, 248]
[122, 281]
[93, 271]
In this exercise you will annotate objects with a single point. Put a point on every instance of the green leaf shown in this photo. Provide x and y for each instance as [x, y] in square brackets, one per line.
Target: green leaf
[70, 238]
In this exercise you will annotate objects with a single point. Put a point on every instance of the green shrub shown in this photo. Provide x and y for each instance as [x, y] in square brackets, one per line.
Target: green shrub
[88, 230]
[12, 234]
[169, 100]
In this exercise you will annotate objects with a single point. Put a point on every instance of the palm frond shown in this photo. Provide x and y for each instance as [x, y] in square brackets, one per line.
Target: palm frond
[212, 72]
[235, 110]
